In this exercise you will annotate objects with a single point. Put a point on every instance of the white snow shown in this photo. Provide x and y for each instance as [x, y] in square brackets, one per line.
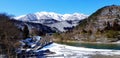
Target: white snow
[77, 52]
[20, 16]
[32, 42]
[52, 15]
[118, 41]
[36, 38]
[60, 25]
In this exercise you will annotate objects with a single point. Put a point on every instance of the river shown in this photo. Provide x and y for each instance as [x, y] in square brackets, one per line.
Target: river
[94, 45]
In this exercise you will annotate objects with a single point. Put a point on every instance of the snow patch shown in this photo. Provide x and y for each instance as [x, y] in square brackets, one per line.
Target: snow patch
[77, 52]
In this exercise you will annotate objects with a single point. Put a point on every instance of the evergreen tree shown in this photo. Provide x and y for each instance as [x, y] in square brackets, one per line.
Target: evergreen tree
[108, 27]
[25, 32]
[116, 26]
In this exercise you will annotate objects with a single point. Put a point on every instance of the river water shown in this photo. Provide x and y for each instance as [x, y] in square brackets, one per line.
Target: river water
[94, 45]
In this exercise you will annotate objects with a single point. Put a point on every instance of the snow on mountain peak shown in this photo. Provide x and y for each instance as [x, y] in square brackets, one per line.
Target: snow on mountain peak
[20, 16]
[51, 15]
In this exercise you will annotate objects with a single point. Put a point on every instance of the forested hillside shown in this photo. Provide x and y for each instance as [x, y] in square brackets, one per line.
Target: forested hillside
[101, 26]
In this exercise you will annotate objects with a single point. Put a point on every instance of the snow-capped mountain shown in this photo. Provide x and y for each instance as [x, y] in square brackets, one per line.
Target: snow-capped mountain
[51, 15]
[53, 19]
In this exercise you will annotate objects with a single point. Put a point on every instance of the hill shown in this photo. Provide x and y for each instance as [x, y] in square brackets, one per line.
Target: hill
[34, 28]
[101, 26]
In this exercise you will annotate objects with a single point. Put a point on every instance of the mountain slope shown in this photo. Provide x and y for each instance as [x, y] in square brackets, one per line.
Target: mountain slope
[52, 19]
[50, 15]
[101, 26]
[37, 26]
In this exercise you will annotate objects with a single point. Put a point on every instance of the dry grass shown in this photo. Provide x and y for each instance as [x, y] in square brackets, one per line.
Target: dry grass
[105, 56]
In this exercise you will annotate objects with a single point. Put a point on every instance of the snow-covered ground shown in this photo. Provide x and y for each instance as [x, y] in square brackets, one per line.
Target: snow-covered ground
[65, 51]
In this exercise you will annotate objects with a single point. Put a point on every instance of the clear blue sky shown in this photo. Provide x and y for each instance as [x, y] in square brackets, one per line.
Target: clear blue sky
[21, 7]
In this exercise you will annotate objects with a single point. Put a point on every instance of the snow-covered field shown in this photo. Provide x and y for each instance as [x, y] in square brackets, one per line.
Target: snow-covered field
[65, 51]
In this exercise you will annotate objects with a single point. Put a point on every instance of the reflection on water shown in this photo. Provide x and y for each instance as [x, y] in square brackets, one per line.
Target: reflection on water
[93, 45]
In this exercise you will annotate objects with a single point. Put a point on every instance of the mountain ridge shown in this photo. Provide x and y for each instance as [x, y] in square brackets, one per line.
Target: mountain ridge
[102, 26]
[53, 15]
[53, 20]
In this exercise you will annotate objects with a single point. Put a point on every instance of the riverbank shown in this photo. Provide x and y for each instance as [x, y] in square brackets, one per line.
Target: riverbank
[73, 41]
[104, 56]
[77, 52]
